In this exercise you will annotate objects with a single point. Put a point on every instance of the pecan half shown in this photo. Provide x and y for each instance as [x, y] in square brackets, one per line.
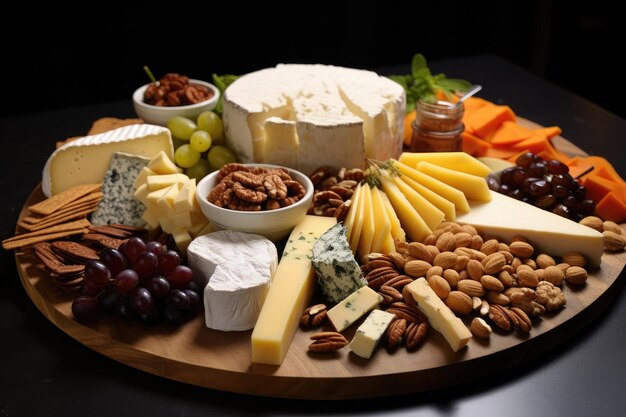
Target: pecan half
[395, 332]
[325, 342]
[416, 334]
[314, 315]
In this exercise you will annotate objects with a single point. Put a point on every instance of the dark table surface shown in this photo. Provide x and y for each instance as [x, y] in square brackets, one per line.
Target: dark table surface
[44, 372]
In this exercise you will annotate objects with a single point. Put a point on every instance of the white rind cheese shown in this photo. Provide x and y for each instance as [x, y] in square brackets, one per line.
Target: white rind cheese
[118, 205]
[329, 115]
[85, 160]
[549, 233]
[236, 270]
[338, 273]
[370, 332]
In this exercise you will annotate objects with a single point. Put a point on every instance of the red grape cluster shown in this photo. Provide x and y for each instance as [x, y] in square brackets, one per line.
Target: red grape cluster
[546, 184]
[139, 279]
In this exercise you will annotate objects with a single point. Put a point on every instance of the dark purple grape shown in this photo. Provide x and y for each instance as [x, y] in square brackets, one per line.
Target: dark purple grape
[155, 247]
[527, 183]
[195, 301]
[545, 202]
[561, 210]
[85, 308]
[537, 169]
[571, 203]
[560, 192]
[141, 300]
[179, 299]
[525, 159]
[114, 260]
[557, 167]
[92, 289]
[493, 184]
[124, 310]
[173, 315]
[158, 286]
[516, 194]
[505, 189]
[579, 193]
[151, 317]
[564, 180]
[519, 176]
[122, 248]
[506, 176]
[167, 261]
[97, 273]
[126, 281]
[146, 264]
[539, 187]
[109, 300]
[194, 286]
[134, 247]
[587, 207]
[180, 277]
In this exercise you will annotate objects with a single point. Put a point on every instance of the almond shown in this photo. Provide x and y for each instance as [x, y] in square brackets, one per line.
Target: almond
[463, 240]
[563, 266]
[478, 255]
[611, 227]
[576, 275]
[475, 270]
[489, 247]
[416, 269]
[445, 260]
[574, 259]
[471, 288]
[451, 276]
[435, 270]
[418, 251]
[526, 278]
[492, 283]
[503, 247]
[484, 308]
[507, 279]
[613, 241]
[480, 328]
[440, 286]
[459, 302]
[516, 262]
[497, 298]
[446, 242]
[543, 261]
[593, 222]
[465, 252]
[554, 275]
[477, 242]
[493, 263]
[431, 239]
[468, 228]
[433, 250]
[508, 256]
[531, 263]
[461, 263]
[521, 249]
[477, 302]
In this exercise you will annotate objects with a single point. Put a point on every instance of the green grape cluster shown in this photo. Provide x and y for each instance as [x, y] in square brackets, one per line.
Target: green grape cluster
[200, 146]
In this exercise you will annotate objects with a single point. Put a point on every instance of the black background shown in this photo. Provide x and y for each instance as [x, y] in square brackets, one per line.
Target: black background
[88, 52]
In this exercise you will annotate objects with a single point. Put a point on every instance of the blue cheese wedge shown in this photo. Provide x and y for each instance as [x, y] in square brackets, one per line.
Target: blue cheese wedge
[353, 307]
[338, 273]
[370, 332]
[118, 205]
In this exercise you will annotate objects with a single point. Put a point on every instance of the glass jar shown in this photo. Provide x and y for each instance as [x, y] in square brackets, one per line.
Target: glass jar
[437, 127]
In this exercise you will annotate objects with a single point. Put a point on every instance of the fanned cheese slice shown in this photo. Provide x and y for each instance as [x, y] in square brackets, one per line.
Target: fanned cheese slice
[85, 160]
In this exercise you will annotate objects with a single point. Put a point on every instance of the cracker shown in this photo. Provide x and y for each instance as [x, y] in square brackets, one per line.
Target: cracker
[77, 224]
[52, 204]
[55, 221]
[63, 212]
[20, 243]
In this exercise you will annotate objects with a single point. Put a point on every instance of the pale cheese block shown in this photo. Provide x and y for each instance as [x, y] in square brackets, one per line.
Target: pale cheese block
[370, 332]
[324, 115]
[440, 317]
[549, 233]
[292, 288]
[85, 160]
[353, 307]
[457, 161]
[235, 269]
[474, 187]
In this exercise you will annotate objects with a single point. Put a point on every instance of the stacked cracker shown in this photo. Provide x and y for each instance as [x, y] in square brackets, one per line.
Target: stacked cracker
[62, 215]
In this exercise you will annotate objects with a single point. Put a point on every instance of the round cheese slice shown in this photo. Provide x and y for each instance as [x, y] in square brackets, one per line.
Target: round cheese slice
[306, 116]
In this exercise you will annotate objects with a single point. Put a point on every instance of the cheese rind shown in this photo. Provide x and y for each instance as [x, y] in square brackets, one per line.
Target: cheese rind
[370, 332]
[440, 317]
[291, 290]
[353, 307]
[549, 233]
[85, 160]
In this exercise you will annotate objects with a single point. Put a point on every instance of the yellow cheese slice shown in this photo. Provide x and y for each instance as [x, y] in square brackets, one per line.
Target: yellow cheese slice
[457, 161]
[382, 232]
[141, 194]
[474, 187]
[397, 232]
[410, 219]
[162, 164]
[357, 226]
[156, 182]
[439, 314]
[165, 203]
[291, 290]
[447, 207]
[141, 178]
[351, 217]
[367, 231]
[431, 215]
[449, 193]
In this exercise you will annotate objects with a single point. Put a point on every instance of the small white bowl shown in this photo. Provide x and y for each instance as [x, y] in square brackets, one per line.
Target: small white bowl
[273, 224]
[159, 115]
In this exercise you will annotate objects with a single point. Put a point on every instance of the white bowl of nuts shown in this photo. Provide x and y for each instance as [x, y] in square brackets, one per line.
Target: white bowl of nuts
[174, 95]
[267, 200]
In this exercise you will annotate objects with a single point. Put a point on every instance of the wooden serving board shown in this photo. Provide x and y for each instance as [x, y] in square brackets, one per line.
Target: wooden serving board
[193, 354]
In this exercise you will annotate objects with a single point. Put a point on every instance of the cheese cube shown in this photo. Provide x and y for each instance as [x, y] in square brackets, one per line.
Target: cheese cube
[154, 196]
[182, 220]
[166, 224]
[182, 239]
[370, 332]
[162, 164]
[186, 198]
[156, 182]
[165, 203]
[291, 290]
[440, 317]
[143, 175]
[151, 218]
[141, 194]
[353, 307]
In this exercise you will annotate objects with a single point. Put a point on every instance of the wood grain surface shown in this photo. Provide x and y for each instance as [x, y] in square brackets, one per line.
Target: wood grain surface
[193, 354]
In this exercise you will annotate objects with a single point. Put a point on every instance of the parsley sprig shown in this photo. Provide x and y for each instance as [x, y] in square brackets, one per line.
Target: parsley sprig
[373, 176]
[421, 84]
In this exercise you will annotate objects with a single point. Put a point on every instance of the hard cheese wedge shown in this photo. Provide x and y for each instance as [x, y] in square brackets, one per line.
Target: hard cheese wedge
[291, 289]
[474, 187]
[549, 233]
[439, 315]
[85, 160]
[458, 161]
[410, 219]
[382, 233]
[447, 207]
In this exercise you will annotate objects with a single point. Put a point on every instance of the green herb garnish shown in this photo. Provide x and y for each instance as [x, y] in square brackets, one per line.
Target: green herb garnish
[221, 82]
